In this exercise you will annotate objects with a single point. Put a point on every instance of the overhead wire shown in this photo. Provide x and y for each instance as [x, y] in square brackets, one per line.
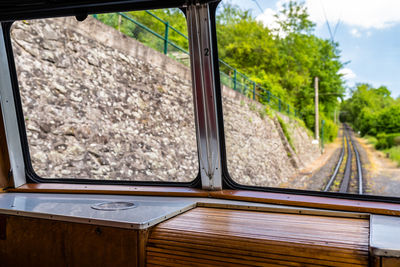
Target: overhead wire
[332, 34]
[258, 5]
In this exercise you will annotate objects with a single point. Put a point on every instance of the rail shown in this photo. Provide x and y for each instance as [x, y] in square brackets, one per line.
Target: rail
[230, 76]
[345, 182]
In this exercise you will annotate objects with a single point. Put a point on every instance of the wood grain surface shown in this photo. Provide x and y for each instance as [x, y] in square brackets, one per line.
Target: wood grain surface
[332, 203]
[222, 237]
[111, 189]
[39, 242]
[4, 159]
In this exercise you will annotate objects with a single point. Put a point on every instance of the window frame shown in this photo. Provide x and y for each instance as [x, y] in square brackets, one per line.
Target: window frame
[227, 182]
[30, 174]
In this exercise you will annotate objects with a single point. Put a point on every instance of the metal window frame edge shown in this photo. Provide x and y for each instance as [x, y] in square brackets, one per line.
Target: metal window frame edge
[17, 142]
[205, 97]
[8, 108]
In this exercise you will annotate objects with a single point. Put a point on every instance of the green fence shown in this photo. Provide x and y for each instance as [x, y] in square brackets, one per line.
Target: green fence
[229, 75]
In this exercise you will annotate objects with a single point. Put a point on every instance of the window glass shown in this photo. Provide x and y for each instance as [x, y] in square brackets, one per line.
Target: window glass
[108, 98]
[309, 96]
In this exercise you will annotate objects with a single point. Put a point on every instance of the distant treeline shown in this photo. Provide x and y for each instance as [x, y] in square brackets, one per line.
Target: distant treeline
[284, 59]
[373, 112]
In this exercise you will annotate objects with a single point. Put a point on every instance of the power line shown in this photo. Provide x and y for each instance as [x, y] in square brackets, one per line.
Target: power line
[259, 7]
[336, 27]
[332, 34]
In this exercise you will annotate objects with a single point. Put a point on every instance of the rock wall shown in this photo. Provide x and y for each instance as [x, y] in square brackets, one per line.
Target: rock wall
[258, 152]
[99, 105]
[93, 111]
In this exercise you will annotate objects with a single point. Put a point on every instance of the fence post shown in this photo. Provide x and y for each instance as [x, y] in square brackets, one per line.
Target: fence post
[269, 96]
[254, 91]
[288, 109]
[166, 38]
[280, 105]
[234, 79]
[119, 22]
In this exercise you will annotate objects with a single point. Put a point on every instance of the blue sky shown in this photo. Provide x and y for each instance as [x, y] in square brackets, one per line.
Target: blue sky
[368, 35]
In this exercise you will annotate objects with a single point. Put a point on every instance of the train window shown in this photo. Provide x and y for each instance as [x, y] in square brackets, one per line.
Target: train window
[265, 135]
[108, 98]
[304, 104]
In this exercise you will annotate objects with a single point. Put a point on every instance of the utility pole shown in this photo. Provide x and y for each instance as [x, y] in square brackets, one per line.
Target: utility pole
[316, 110]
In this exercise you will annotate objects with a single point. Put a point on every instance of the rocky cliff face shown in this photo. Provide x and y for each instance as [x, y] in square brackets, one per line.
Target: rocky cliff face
[258, 152]
[99, 105]
[92, 111]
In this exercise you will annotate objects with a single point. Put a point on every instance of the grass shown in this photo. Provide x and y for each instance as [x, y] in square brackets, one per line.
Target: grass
[394, 154]
[266, 111]
[286, 132]
[371, 140]
[252, 106]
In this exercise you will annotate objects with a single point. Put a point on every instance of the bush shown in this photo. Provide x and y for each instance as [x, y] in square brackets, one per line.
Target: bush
[371, 139]
[388, 120]
[394, 154]
[330, 131]
[386, 141]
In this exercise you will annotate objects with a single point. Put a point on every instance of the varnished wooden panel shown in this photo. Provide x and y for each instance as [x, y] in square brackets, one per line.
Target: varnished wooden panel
[222, 237]
[38, 242]
[385, 262]
[111, 189]
[390, 262]
[4, 159]
[306, 201]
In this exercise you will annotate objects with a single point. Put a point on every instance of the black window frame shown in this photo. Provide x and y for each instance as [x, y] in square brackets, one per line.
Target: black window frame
[229, 183]
[8, 20]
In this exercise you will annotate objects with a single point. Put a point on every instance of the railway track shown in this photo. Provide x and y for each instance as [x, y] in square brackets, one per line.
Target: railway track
[347, 176]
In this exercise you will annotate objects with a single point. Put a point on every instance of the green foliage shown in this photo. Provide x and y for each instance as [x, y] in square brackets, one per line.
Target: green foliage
[252, 106]
[262, 113]
[371, 139]
[330, 131]
[173, 16]
[394, 154]
[388, 120]
[294, 18]
[267, 111]
[330, 128]
[372, 111]
[286, 132]
[385, 141]
[285, 60]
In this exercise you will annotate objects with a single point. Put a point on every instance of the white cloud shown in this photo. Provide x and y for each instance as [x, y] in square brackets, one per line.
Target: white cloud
[268, 18]
[365, 14]
[347, 73]
[355, 33]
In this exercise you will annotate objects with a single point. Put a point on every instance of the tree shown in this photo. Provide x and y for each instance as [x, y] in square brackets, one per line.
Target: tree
[283, 61]
[372, 110]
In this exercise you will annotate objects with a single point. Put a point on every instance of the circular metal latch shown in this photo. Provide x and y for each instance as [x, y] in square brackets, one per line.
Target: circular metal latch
[118, 205]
